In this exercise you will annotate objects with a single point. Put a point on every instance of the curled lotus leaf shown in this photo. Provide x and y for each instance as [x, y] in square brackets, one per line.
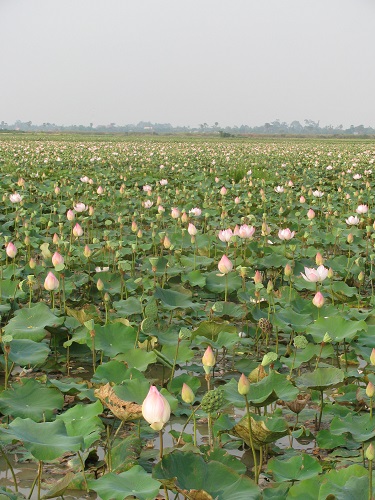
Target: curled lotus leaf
[124, 410]
[264, 430]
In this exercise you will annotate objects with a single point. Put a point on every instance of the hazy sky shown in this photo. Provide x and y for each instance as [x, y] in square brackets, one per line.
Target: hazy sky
[187, 62]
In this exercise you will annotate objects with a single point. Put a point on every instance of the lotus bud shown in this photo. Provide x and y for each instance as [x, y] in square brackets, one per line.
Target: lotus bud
[175, 213]
[225, 266]
[192, 230]
[330, 273]
[51, 283]
[166, 242]
[350, 238]
[327, 339]
[208, 359]
[370, 452]
[70, 215]
[372, 357]
[243, 385]
[57, 259]
[302, 199]
[269, 287]
[223, 191]
[100, 190]
[288, 270]
[361, 277]
[32, 263]
[100, 285]
[87, 251]
[55, 239]
[77, 230]
[11, 250]
[184, 217]
[57, 190]
[187, 394]
[370, 390]
[319, 259]
[134, 226]
[310, 214]
[156, 409]
[258, 278]
[318, 300]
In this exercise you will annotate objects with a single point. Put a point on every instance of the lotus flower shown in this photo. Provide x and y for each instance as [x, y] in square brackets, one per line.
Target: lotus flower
[352, 220]
[195, 211]
[286, 234]
[175, 213]
[362, 209]
[156, 409]
[192, 230]
[318, 300]
[11, 250]
[80, 207]
[246, 232]
[57, 259]
[314, 275]
[208, 359]
[15, 198]
[163, 182]
[225, 235]
[77, 230]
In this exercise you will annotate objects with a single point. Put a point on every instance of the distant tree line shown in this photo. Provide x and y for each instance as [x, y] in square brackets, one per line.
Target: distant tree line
[309, 127]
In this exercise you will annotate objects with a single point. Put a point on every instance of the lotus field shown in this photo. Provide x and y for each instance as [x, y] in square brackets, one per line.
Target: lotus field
[187, 318]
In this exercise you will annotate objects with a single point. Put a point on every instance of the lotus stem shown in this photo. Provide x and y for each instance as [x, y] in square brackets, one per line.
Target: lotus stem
[174, 361]
[10, 467]
[83, 471]
[256, 471]
[321, 410]
[370, 497]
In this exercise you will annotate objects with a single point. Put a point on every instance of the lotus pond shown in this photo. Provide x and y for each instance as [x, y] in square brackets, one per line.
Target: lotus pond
[187, 318]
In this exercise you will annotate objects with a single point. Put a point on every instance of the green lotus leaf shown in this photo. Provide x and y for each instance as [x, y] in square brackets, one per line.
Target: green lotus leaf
[114, 338]
[195, 278]
[137, 358]
[125, 453]
[217, 284]
[31, 399]
[27, 352]
[30, 323]
[337, 327]
[186, 471]
[361, 427]
[174, 300]
[295, 468]
[46, 440]
[133, 482]
[134, 390]
[112, 371]
[82, 420]
[321, 378]
[128, 307]
[211, 329]
[350, 483]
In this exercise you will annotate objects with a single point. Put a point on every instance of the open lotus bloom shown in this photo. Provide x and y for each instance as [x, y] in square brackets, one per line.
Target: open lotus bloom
[352, 220]
[286, 234]
[313, 275]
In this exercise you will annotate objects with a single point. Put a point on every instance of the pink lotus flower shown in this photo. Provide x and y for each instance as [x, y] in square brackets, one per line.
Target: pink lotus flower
[15, 198]
[317, 193]
[223, 191]
[11, 250]
[77, 230]
[156, 409]
[195, 211]
[147, 188]
[84, 179]
[225, 265]
[286, 234]
[57, 190]
[225, 235]
[100, 190]
[279, 189]
[80, 207]
[51, 283]
[318, 300]
[246, 232]
[258, 277]
[302, 199]
[352, 220]
[148, 204]
[163, 182]
[314, 275]
[362, 209]
[237, 200]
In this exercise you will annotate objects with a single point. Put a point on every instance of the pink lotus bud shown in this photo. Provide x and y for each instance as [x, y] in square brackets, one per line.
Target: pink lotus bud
[167, 242]
[319, 259]
[192, 230]
[91, 211]
[225, 265]
[350, 238]
[208, 359]
[318, 300]
[159, 201]
[223, 191]
[134, 226]
[310, 214]
[100, 190]
[156, 409]
[258, 277]
[51, 283]
[175, 213]
[372, 357]
[100, 285]
[57, 190]
[288, 270]
[370, 453]
[87, 251]
[302, 199]
[187, 394]
[161, 209]
[217, 179]
[55, 239]
[21, 182]
[70, 215]
[237, 200]
[184, 217]
[243, 385]
[370, 390]
[139, 234]
[57, 259]
[77, 230]
[11, 250]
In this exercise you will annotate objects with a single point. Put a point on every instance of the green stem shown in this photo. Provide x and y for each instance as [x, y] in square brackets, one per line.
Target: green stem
[256, 472]
[10, 467]
[83, 472]
[321, 409]
[370, 480]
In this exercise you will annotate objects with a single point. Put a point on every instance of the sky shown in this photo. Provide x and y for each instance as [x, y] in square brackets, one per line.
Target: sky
[187, 62]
